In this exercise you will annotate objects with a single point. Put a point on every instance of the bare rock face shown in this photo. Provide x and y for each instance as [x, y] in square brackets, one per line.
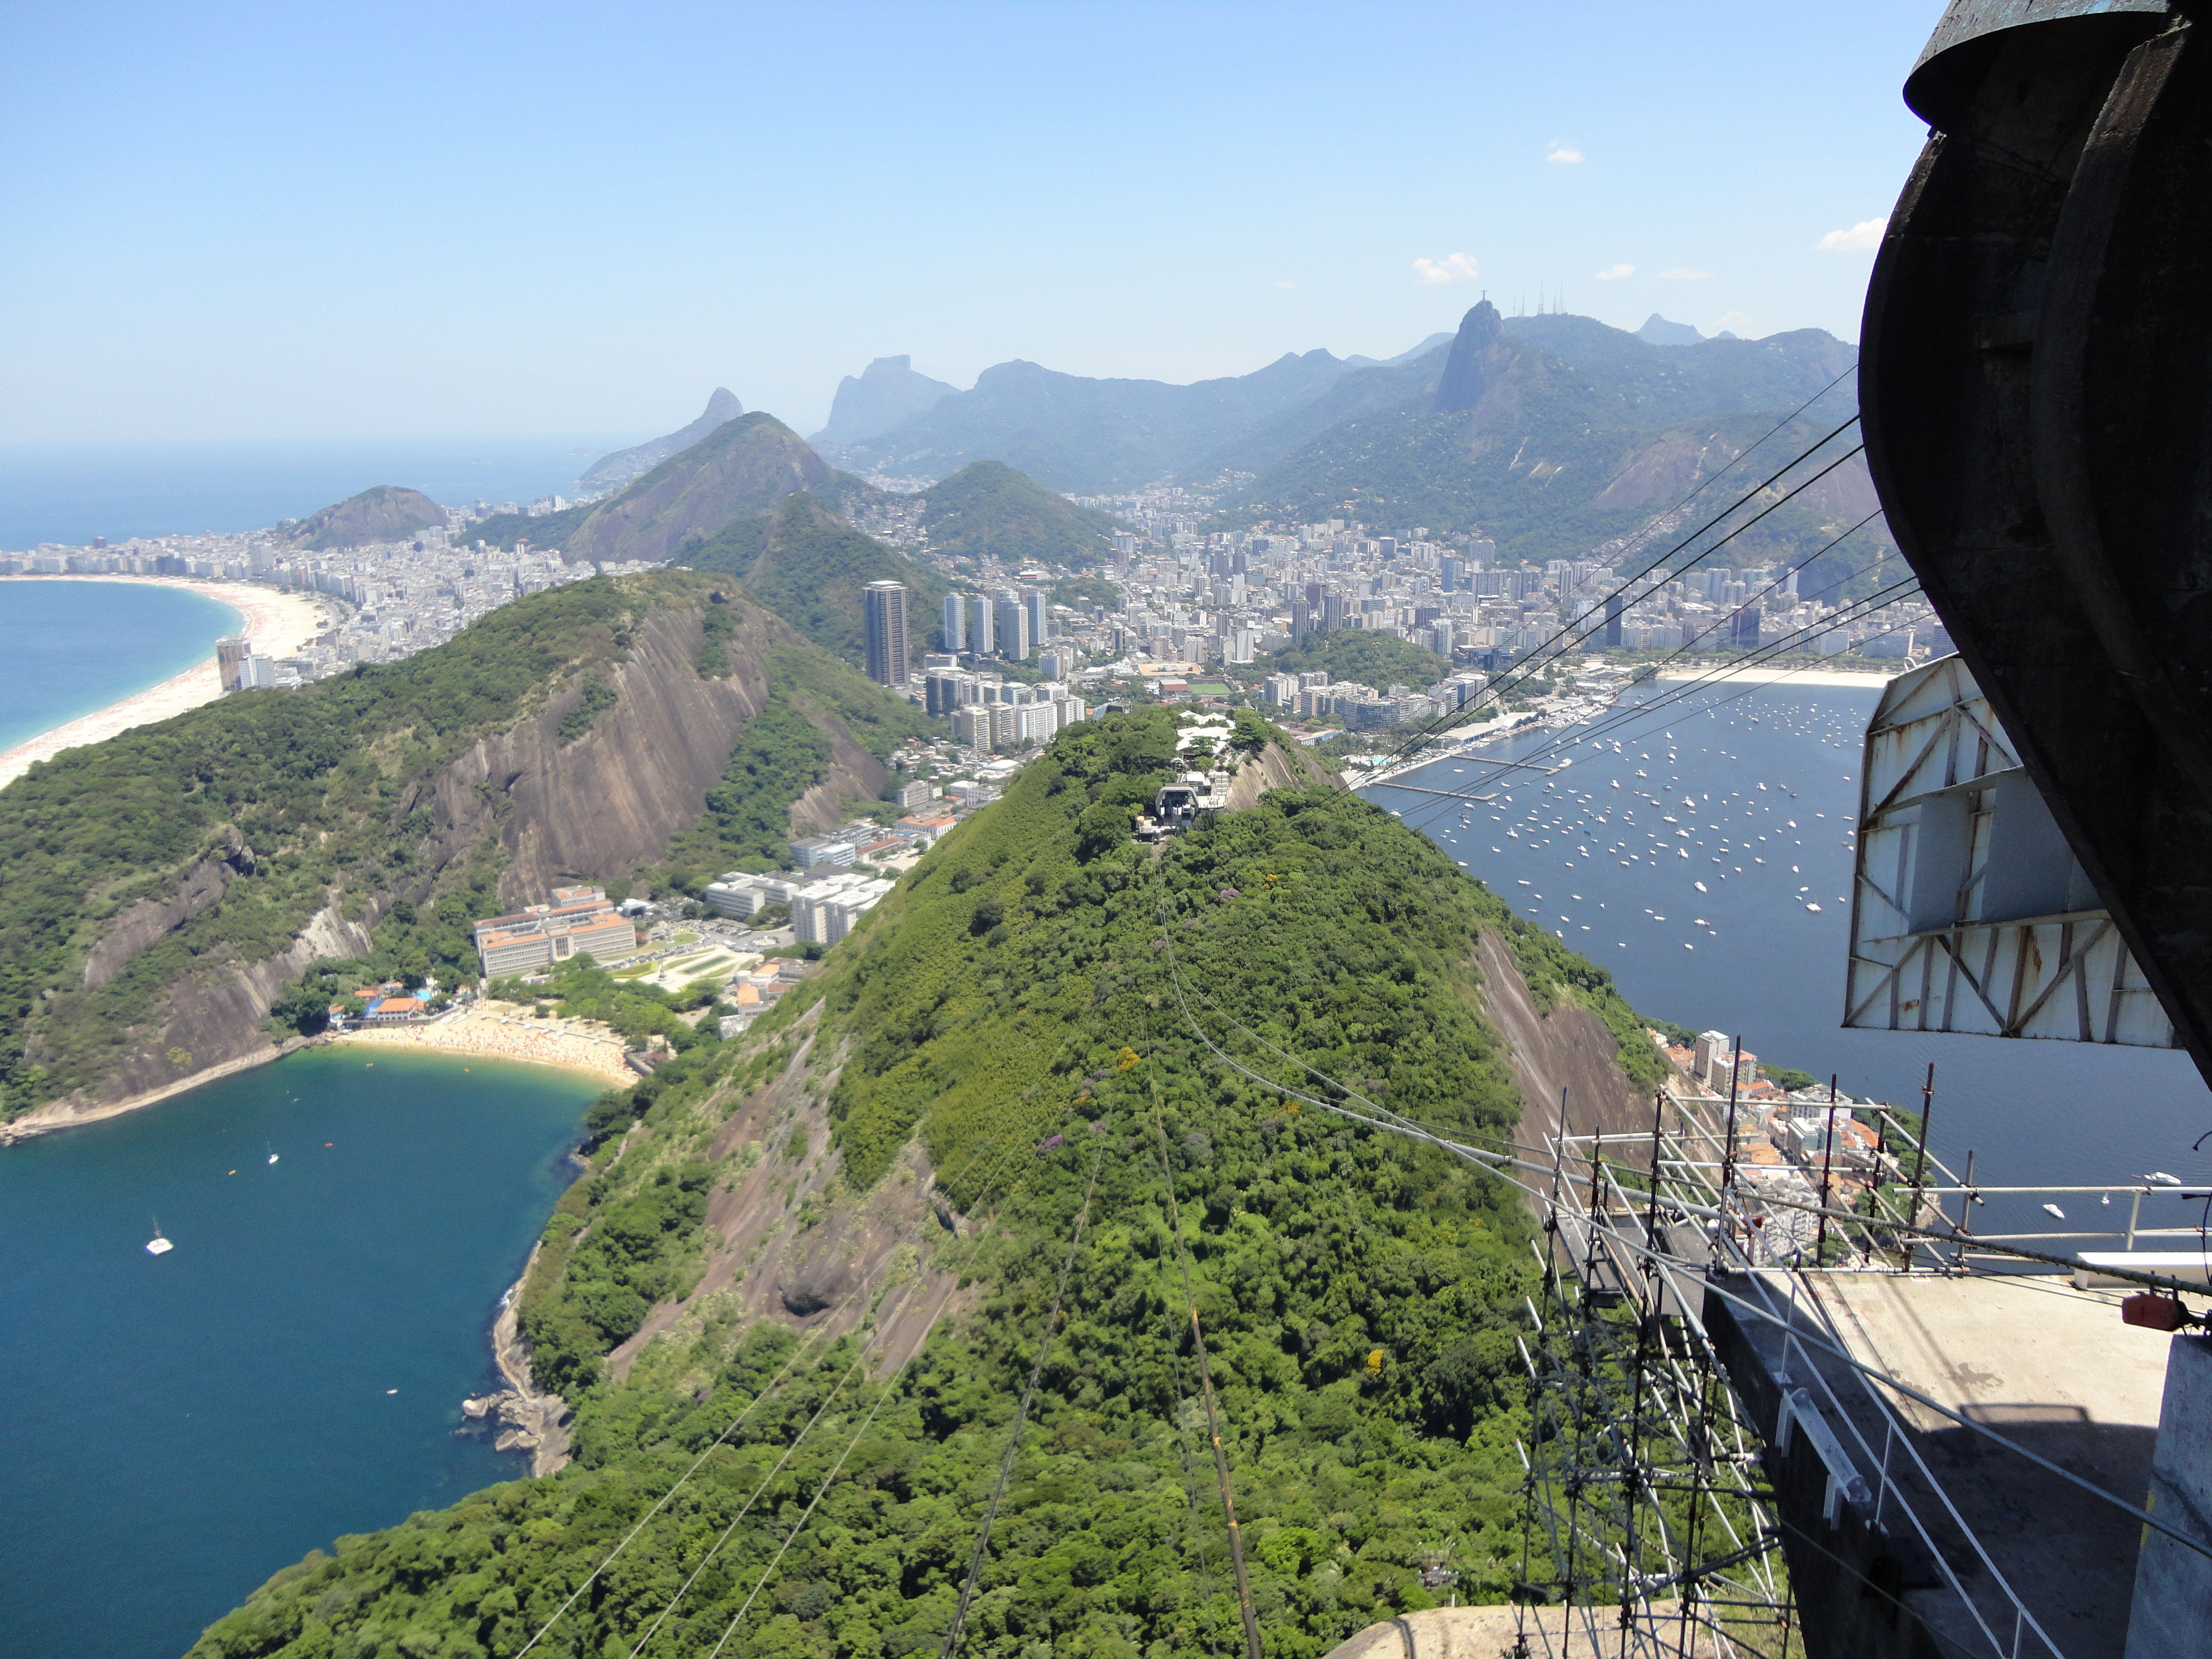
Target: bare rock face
[591, 809]
[822, 1284]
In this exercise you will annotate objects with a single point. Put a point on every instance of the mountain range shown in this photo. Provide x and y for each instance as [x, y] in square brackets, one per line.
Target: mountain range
[1554, 436]
[1561, 435]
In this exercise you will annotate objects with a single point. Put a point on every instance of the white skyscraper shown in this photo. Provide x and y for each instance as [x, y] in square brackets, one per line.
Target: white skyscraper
[955, 623]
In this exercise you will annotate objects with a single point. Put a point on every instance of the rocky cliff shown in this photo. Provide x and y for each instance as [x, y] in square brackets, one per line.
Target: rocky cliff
[542, 811]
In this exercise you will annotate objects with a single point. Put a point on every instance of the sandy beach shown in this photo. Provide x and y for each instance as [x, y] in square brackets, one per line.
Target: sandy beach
[500, 1030]
[277, 623]
[1783, 676]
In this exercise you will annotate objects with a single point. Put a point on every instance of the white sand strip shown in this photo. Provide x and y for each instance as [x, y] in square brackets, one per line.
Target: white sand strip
[1783, 676]
[278, 623]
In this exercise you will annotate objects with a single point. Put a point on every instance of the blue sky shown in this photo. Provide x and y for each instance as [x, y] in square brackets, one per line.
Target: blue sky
[350, 221]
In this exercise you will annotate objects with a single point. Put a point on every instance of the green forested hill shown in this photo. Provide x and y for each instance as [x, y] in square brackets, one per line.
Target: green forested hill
[987, 509]
[186, 853]
[808, 566]
[1012, 1004]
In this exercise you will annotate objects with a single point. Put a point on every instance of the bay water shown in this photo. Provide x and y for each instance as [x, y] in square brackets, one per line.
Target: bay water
[68, 649]
[174, 1429]
[1765, 782]
[70, 493]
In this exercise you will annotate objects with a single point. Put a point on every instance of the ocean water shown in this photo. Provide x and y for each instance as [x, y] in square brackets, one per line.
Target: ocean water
[1748, 956]
[70, 493]
[175, 1429]
[68, 649]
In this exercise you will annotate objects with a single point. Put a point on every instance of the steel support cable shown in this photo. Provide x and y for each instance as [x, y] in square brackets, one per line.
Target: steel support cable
[1715, 675]
[1696, 489]
[1782, 645]
[820, 1492]
[592, 1577]
[789, 1452]
[1205, 1387]
[1498, 1163]
[681, 1480]
[1021, 1414]
[1198, 1343]
[1622, 588]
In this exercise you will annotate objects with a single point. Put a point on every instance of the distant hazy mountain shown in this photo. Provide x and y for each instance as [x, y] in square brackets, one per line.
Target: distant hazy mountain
[1069, 433]
[612, 472]
[885, 394]
[1657, 331]
[387, 513]
[1554, 435]
[1420, 350]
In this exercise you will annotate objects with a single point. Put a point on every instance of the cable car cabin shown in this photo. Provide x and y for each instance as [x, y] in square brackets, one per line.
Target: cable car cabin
[1177, 806]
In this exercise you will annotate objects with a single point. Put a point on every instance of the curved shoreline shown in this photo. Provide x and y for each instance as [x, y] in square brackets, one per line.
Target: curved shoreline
[594, 1052]
[277, 620]
[500, 1032]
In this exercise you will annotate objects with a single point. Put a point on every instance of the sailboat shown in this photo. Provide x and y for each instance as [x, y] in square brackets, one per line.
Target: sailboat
[273, 1152]
[159, 1245]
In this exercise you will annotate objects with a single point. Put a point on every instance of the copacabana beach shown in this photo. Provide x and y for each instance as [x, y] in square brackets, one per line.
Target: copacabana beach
[277, 623]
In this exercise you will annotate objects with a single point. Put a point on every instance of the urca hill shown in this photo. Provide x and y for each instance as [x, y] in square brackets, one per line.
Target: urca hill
[170, 890]
[968, 1199]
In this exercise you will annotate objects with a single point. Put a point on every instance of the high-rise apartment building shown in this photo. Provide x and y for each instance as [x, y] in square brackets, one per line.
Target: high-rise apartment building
[883, 609]
[1013, 621]
[1038, 607]
[231, 657]
[982, 626]
[956, 622]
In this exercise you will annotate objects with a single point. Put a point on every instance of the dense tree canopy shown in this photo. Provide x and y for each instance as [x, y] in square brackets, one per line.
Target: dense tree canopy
[1041, 1001]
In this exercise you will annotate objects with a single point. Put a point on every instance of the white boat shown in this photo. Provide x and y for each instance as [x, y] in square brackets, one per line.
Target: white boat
[159, 1245]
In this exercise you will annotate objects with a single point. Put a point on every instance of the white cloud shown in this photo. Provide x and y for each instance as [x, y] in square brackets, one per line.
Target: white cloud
[1452, 268]
[1685, 273]
[1861, 238]
[1285, 284]
[1614, 273]
[1735, 322]
[1557, 151]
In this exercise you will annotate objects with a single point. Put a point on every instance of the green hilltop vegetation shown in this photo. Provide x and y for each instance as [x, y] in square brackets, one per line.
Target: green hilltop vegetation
[753, 501]
[386, 512]
[301, 794]
[989, 509]
[1361, 655]
[809, 565]
[742, 467]
[1034, 1002]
